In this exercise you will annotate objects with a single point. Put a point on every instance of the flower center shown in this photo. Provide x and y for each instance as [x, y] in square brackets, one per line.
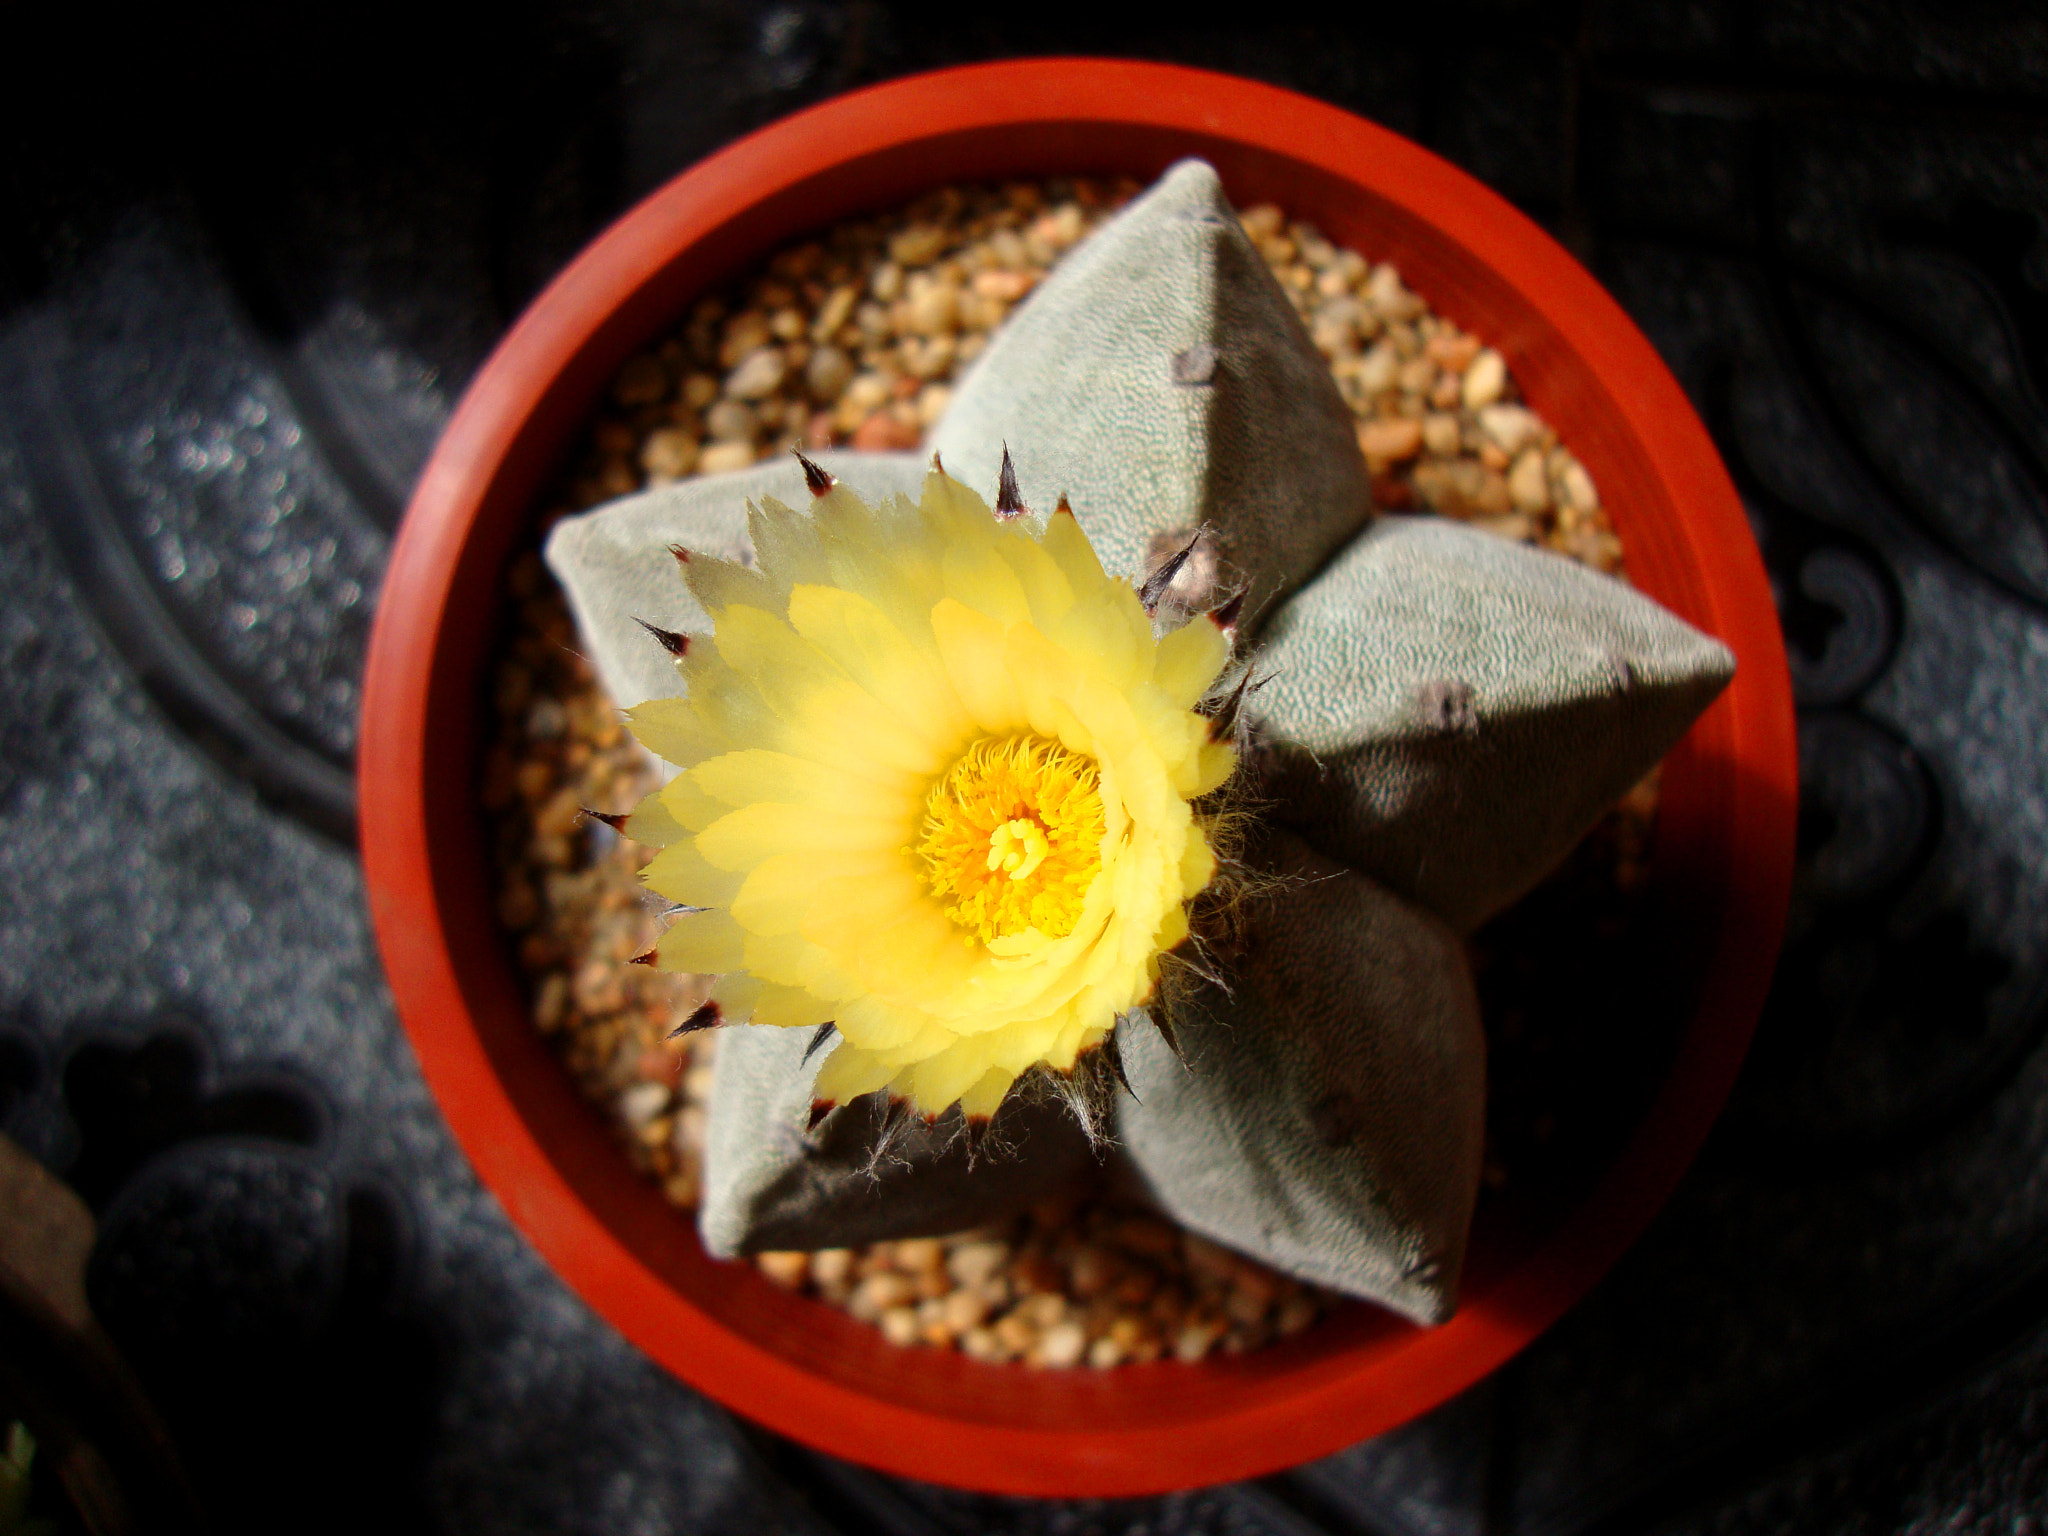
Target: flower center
[1012, 837]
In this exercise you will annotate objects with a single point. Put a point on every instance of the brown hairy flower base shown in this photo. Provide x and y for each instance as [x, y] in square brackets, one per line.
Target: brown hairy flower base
[852, 340]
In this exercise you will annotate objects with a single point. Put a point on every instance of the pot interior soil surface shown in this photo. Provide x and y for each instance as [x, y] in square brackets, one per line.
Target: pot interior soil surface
[852, 339]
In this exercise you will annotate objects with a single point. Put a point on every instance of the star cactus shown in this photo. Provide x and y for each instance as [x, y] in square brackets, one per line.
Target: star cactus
[1440, 716]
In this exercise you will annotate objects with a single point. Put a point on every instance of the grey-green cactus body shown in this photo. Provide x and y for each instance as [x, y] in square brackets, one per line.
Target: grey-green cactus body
[1447, 715]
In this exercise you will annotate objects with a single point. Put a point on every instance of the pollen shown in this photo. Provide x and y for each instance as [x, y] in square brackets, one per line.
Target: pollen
[1012, 837]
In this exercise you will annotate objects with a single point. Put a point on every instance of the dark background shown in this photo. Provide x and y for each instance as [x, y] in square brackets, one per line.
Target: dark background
[248, 258]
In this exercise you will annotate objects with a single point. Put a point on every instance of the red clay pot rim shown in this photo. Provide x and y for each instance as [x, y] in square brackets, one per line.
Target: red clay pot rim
[1578, 357]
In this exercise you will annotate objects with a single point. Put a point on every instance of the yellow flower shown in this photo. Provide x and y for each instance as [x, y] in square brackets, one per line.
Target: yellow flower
[936, 782]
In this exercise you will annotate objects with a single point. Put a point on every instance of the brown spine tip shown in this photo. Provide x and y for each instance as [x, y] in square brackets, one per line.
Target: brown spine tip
[1166, 1033]
[1226, 614]
[817, 479]
[672, 642]
[1064, 509]
[650, 958]
[1156, 584]
[938, 466]
[706, 1016]
[1224, 721]
[824, 1032]
[616, 823]
[1009, 502]
[682, 555]
[820, 1108]
[1114, 1055]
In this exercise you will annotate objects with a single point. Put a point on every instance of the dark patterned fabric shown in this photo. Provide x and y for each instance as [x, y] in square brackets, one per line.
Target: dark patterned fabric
[248, 259]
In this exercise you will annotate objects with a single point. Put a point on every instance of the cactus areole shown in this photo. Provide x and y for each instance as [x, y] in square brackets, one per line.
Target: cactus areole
[1006, 847]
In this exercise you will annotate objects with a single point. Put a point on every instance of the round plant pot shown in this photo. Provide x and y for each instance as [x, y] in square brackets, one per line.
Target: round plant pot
[1721, 861]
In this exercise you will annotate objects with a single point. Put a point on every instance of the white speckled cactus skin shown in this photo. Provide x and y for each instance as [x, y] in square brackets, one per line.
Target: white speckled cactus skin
[1448, 714]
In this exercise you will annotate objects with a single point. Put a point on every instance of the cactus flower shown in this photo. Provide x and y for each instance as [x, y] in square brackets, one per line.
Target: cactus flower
[941, 787]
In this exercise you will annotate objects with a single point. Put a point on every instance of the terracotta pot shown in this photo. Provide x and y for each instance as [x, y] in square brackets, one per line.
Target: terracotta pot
[1722, 858]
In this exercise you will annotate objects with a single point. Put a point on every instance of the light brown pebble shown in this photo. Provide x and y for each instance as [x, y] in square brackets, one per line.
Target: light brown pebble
[973, 1263]
[1389, 442]
[963, 1310]
[758, 375]
[1529, 482]
[879, 1292]
[1196, 1338]
[1577, 486]
[1452, 351]
[934, 308]
[1105, 1352]
[1378, 369]
[832, 1266]
[1062, 1345]
[786, 1269]
[985, 1344]
[720, 457]
[920, 1255]
[883, 432]
[731, 421]
[743, 333]
[1005, 287]
[918, 245]
[828, 374]
[668, 454]
[1511, 428]
[900, 1326]
[1042, 1308]
[838, 305]
[1441, 433]
[1016, 1334]
[1485, 379]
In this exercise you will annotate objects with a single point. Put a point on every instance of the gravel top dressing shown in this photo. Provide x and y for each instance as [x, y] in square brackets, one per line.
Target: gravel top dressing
[853, 340]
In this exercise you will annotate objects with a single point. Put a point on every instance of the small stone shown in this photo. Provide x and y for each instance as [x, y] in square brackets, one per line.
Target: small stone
[1577, 486]
[838, 305]
[984, 1344]
[900, 1327]
[1389, 296]
[1385, 441]
[1196, 1338]
[668, 454]
[1062, 1345]
[828, 374]
[721, 457]
[934, 309]
[918, 245]
[882, 433]
[743, 334]
[642, 1103]
[1417, 376]
[1379, 367]
[962, 1311]
[729, 421]
[785, 1269]
[1440, 433]
[1105, 1352]
[1529, 483]
[1485, 379]
[699, 390]
[832, 1266]
[932, 401]
[1005, 287]
[972, 1263]
[886, 283]
[920, 1255]
[759, 374]
[879, 1292]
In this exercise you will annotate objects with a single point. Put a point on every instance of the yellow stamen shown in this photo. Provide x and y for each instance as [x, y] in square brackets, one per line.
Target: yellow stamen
[1012, 837]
